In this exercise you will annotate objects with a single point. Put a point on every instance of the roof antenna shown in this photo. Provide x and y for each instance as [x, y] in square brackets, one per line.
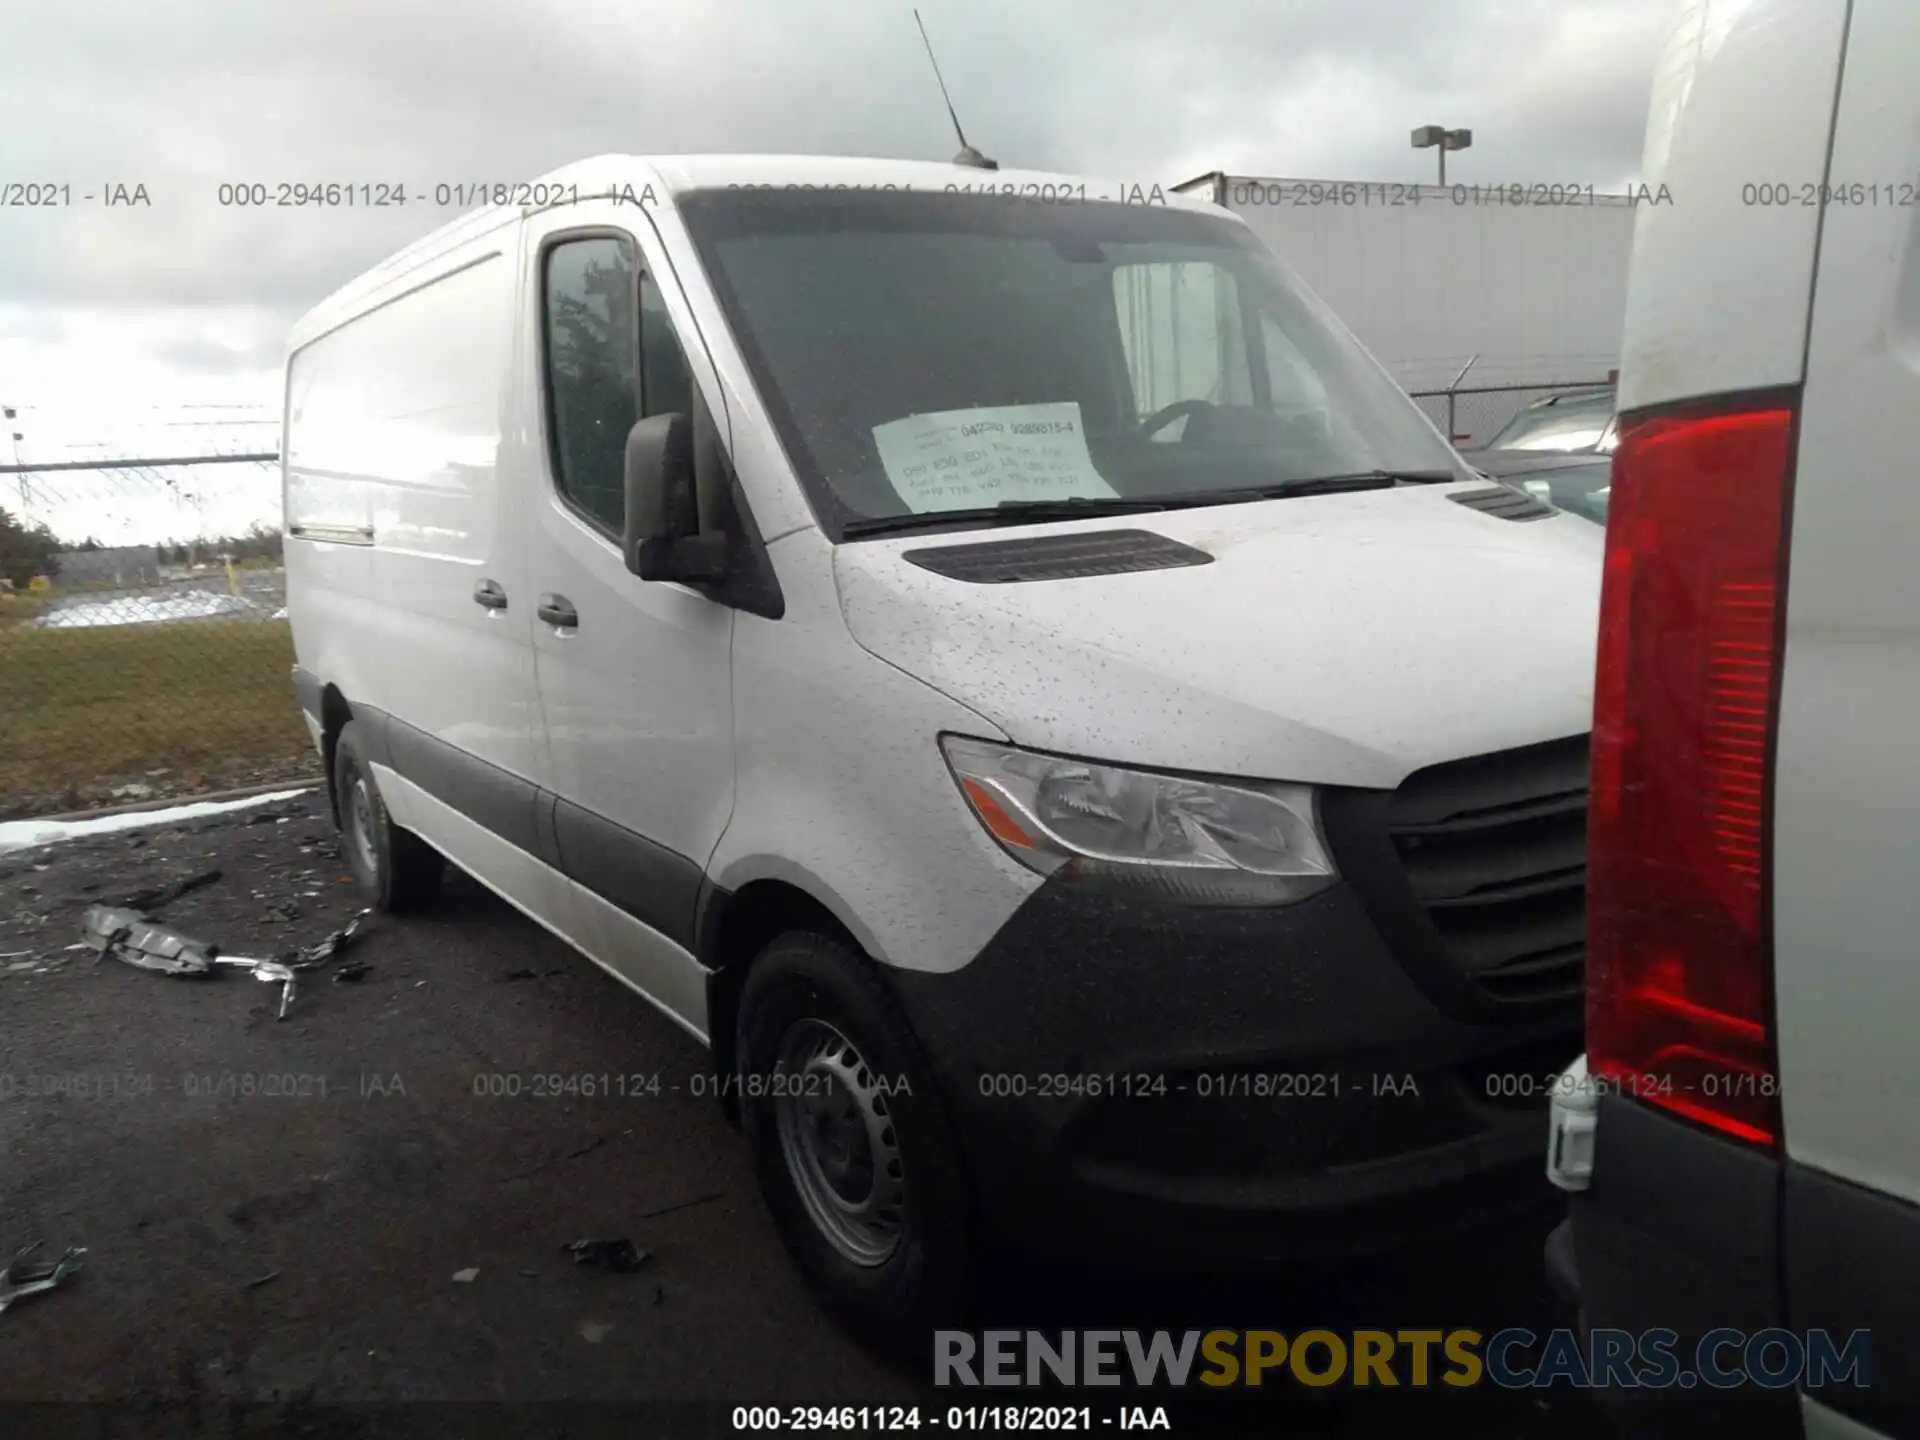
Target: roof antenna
[968, 155]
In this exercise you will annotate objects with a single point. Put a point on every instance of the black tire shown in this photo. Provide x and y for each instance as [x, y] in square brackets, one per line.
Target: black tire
[402, 872]
[923, 1283]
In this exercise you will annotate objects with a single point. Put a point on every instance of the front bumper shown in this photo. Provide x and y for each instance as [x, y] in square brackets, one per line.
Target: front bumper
[1226, 1083]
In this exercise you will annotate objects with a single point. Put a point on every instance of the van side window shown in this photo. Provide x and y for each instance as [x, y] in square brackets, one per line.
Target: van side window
[606, 368]
[666, 385]
[1180, 326]
[591, 360]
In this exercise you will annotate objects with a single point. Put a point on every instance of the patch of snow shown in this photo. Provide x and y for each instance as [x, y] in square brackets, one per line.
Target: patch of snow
[146, 610]
[26, 834]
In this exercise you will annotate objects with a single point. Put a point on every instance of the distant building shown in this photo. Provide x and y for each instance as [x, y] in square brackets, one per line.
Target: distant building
[128, 565]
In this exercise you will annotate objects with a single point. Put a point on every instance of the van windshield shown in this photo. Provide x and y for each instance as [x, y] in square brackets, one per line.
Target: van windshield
[930, 352]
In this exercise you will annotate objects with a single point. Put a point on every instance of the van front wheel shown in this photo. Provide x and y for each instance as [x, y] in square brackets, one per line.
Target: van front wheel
[394, 868]
[856, 1157]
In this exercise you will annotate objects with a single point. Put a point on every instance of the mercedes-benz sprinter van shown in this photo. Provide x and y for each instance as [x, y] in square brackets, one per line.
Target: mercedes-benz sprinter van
[1741, 1137]
[990, 655]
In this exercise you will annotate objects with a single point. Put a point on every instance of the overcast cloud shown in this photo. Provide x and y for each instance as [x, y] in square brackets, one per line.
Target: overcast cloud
[187, 300]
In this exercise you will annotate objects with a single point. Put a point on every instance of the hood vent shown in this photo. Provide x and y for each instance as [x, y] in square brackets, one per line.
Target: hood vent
[1504, 503]
[1058, 557]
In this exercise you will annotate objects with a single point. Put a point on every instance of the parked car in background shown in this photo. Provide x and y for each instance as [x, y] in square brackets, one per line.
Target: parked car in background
[1578, 483]
[1572, 420]
[1741, 1139]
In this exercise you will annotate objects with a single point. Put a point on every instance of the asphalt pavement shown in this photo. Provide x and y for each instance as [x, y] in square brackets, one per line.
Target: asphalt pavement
[355, 1217]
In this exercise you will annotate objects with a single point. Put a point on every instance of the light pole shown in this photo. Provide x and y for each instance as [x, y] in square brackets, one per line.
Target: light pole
[26, 496]
[1438, 137]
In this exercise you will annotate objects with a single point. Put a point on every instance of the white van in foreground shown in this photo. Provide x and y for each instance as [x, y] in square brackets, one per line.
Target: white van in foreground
[1742, 1136]
[991, 656]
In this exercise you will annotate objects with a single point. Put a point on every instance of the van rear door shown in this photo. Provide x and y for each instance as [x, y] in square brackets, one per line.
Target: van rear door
[1847, 797]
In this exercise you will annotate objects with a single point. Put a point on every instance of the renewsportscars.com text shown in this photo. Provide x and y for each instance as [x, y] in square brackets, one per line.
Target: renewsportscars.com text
[1457, 1358]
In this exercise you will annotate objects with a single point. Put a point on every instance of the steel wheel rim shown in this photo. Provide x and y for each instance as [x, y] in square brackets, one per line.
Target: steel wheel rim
[360, 810]
[838, 1139]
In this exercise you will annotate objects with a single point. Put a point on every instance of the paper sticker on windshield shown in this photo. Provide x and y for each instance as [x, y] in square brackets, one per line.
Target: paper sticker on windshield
[959, 459]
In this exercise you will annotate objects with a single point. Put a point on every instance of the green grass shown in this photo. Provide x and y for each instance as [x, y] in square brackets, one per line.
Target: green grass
[82, 710]
[18, 606]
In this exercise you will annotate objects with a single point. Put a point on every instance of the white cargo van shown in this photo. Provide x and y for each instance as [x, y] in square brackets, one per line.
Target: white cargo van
[992, 657]
[1742, 1136]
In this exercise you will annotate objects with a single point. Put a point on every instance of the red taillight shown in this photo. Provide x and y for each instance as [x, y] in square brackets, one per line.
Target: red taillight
[1679, 965]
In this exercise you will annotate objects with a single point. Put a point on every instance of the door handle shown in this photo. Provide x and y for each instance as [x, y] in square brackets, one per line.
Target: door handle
[558, 612]
[489, 594]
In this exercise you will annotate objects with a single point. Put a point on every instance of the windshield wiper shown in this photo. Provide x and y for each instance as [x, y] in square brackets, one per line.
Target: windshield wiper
[1373, 478]
[1311, 485]
[1081, 507]
[1077, 507]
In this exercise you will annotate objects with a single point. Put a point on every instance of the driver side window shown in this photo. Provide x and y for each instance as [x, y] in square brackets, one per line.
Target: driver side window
[606, 368]
[1180, 327]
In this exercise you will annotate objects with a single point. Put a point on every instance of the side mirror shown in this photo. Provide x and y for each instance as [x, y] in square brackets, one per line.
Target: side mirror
[662, 540]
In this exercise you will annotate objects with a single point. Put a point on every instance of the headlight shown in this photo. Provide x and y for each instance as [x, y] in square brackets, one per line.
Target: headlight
[1206, 841]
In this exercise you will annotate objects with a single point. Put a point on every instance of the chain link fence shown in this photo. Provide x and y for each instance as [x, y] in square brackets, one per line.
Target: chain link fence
[1474, 415]
[136, 671]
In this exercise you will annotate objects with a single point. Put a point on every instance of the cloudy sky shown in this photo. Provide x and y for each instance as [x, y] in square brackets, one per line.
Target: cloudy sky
[110, 311]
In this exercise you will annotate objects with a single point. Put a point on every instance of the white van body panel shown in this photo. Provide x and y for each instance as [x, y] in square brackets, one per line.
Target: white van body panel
[644, 960]
[1743, 95]
[1248, 666]
[394, 426]
[901, 861]
[640, 957]
[536, 889]
[1846, 908]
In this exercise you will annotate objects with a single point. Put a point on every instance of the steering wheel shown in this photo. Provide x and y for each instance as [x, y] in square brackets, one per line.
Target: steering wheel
[1167, 414]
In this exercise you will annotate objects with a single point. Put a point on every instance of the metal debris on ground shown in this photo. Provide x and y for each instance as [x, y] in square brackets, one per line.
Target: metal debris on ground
[593, 1332]
[322, 951]
[351, 973]
[129, 936]
[271, 971]
[465, 1277]
[20, 1279]
[619, 1256]
[259, 1280]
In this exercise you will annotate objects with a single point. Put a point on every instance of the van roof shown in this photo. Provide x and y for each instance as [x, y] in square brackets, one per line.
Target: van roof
[674, 175]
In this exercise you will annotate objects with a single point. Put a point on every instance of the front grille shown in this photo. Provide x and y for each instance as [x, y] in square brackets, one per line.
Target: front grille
[1494, 850]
